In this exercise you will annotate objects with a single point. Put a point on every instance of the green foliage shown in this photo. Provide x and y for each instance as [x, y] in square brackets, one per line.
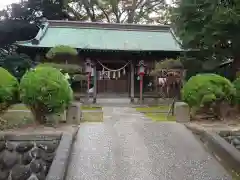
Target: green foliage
[16, 30]
[111, 11]
[206, 89]
[9, 88]
[16, 64]
[61, 50]
[65, 68]
[167, 64]
[79, 77]
[74, 71]
[46, 91]
[211, 27]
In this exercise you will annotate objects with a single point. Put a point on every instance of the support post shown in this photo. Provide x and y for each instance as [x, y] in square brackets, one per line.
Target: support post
[88, 86]
[95, 84]
[141, 89]
[132, 81]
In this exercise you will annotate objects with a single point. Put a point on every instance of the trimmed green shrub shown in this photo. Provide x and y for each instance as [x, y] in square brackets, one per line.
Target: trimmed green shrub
[61, 50]
[208, 90]
[65, 68]
[45, 91]
[73, 70]
[9, 88]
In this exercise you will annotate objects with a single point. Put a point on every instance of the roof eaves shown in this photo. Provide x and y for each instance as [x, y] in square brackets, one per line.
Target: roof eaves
[41, 33]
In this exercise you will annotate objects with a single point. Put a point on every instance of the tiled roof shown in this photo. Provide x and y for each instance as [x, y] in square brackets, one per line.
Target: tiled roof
[99, 36]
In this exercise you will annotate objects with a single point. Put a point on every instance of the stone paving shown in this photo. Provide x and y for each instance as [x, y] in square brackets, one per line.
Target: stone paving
[128, 146]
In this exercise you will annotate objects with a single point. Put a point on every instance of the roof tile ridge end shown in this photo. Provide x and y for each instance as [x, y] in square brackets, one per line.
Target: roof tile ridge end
[41, 33]
[175, 37]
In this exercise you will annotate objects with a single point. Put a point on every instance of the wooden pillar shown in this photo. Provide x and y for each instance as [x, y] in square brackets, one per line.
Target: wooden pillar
[132, 81]
[95, 84]
[37, 58]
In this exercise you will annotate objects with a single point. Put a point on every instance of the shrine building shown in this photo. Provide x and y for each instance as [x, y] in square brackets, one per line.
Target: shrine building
[114, 50]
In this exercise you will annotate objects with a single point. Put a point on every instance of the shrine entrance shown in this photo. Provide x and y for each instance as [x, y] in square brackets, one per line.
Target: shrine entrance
[113, 78]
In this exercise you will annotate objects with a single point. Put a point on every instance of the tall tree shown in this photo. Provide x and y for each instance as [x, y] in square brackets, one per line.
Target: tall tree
[10, 32]
[16, 30]
[16, 64]
[210, 26]
[122, 11]
[33, 10]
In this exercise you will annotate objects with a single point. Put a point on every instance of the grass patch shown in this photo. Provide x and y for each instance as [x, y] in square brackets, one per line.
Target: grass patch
[92, 117]
[16, 119]
[160, 117]
[19, 107]
[91, 108]
[153, 108]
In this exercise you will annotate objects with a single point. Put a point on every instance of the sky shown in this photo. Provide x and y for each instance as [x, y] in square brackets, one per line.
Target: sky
[4, 3]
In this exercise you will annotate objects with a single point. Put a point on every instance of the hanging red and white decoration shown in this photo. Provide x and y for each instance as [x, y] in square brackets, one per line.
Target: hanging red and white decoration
[112, 73]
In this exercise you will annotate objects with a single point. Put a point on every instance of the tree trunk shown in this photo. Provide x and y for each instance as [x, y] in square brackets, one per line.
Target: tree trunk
[38, 116]
[236, 67]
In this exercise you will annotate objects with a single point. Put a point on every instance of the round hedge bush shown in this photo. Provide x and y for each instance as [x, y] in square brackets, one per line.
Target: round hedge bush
[9, 88]
[205, 89]
[45, 90]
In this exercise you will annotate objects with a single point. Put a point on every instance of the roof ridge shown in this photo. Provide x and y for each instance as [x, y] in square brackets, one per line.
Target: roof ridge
[102, 23]
[65, 23]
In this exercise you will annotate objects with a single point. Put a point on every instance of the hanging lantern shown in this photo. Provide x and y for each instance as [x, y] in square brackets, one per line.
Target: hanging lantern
[124, 71]
[141, 68]
[88, 66]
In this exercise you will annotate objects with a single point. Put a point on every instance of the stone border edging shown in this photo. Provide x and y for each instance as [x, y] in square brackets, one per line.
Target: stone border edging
[60, 163]
[12, 136]
[224, 151]
[156, 112]
[91, 111]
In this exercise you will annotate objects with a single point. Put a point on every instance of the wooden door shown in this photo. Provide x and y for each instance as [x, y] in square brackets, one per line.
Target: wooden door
[112, 86]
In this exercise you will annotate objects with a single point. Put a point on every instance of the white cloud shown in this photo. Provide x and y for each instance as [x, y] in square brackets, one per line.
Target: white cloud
[169, 1]
[4, 3]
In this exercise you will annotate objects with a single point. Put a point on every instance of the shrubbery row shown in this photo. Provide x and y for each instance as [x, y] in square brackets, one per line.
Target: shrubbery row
[44, 90]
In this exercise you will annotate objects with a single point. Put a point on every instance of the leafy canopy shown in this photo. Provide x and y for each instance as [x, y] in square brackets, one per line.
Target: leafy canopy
[16, 64]
[61, 50]
[168, 65]
[111, 11]
[65, 68]
[211, 26]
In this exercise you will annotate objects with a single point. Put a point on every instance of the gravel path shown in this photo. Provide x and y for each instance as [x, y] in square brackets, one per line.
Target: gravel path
[126, 146]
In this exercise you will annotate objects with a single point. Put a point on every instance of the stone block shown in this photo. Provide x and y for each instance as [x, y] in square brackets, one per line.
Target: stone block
[182, 112]
[61, 117]
[74, 113]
